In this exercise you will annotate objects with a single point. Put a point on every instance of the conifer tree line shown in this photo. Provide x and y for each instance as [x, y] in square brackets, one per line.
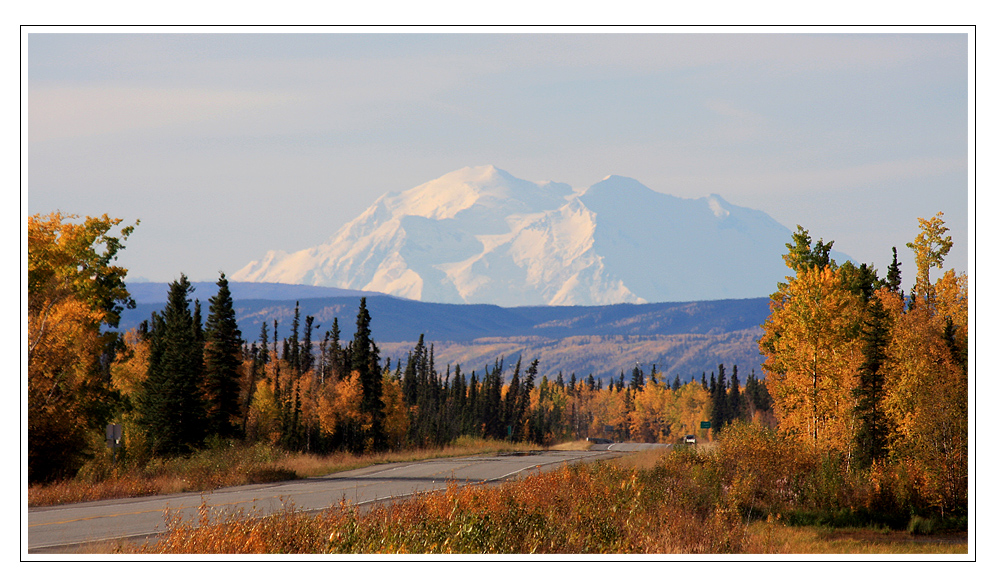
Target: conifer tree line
[870, 376]
[188, 384]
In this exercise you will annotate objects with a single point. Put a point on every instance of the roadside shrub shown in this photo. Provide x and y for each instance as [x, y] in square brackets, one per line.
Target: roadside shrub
[685, 480]
[919, 526]
[762, 471]
[827, 486]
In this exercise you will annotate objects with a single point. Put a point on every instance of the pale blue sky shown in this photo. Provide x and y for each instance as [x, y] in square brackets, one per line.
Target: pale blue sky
[229, 145]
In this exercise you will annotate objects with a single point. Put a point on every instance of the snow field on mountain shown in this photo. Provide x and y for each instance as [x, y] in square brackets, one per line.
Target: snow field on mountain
[480, 235]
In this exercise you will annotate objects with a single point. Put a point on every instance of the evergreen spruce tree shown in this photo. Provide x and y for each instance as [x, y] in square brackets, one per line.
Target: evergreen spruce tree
[872, 431]
[410, 383]
[198, 322]
[337, 357]
[511, 402]
[171, 406]
[492, 416]
[458, 396]
[861, 280]
[757, 393]
[893, 279]
[306, 357]
[293, 346]
[636, 380]
[717, 387]
[264, 345]
[522, 402]
[734, 400]
[365, 360]
[276, 337]
[222, 364]
[472, 408]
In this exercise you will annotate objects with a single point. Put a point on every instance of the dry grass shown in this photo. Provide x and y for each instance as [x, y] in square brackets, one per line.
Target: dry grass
[573, 445]
[601, 508]
[671, 502]
[306, 465]
[772, 537]
[642, 460]
[231, 466]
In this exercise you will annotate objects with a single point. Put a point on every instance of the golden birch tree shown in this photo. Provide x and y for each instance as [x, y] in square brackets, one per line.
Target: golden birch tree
[73, 291]
[396, 417]
[812, 353]
[927, 376]
[649, 421]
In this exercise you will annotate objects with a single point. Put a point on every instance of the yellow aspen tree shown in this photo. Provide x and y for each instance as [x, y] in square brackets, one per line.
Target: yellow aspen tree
[307, 384]
[128, 373]
[927, 377]
[74, 290]
[927, 400]
[608, 410]
[340, 411]
[649, 421]
[691, 406]
[812, 353]
[395, 412]
[130, 364]
[930, 247]
[263, 422]
[580, 408]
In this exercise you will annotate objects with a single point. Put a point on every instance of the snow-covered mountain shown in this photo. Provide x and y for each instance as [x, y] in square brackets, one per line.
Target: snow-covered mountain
[480, 235]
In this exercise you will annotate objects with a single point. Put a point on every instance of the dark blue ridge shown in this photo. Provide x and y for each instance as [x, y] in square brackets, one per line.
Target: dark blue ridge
[398, 320]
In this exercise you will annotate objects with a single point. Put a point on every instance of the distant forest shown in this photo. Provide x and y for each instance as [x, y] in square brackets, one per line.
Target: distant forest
[683, 338]
[324, 394]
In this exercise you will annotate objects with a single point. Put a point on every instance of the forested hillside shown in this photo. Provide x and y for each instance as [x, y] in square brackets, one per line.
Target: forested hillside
[405, 320]
[685, 338]
[687, 355]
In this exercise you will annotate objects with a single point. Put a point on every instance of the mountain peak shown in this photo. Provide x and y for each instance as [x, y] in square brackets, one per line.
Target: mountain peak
[481, 235]
[718, 205]
[474, 190]
[618, 180]
[474, 174]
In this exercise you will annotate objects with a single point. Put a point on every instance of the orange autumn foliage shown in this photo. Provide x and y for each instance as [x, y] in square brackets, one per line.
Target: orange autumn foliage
[73, 291]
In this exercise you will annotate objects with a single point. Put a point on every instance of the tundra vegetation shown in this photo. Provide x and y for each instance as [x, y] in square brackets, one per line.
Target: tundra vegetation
[859, 418]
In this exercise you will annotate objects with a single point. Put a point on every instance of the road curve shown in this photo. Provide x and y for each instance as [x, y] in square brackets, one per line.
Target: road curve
[65, 529]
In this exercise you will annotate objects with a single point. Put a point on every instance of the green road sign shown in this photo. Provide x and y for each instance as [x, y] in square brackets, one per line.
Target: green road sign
[706, 425]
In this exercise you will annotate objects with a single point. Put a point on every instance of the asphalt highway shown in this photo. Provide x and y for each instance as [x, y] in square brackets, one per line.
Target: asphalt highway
[70, 528]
